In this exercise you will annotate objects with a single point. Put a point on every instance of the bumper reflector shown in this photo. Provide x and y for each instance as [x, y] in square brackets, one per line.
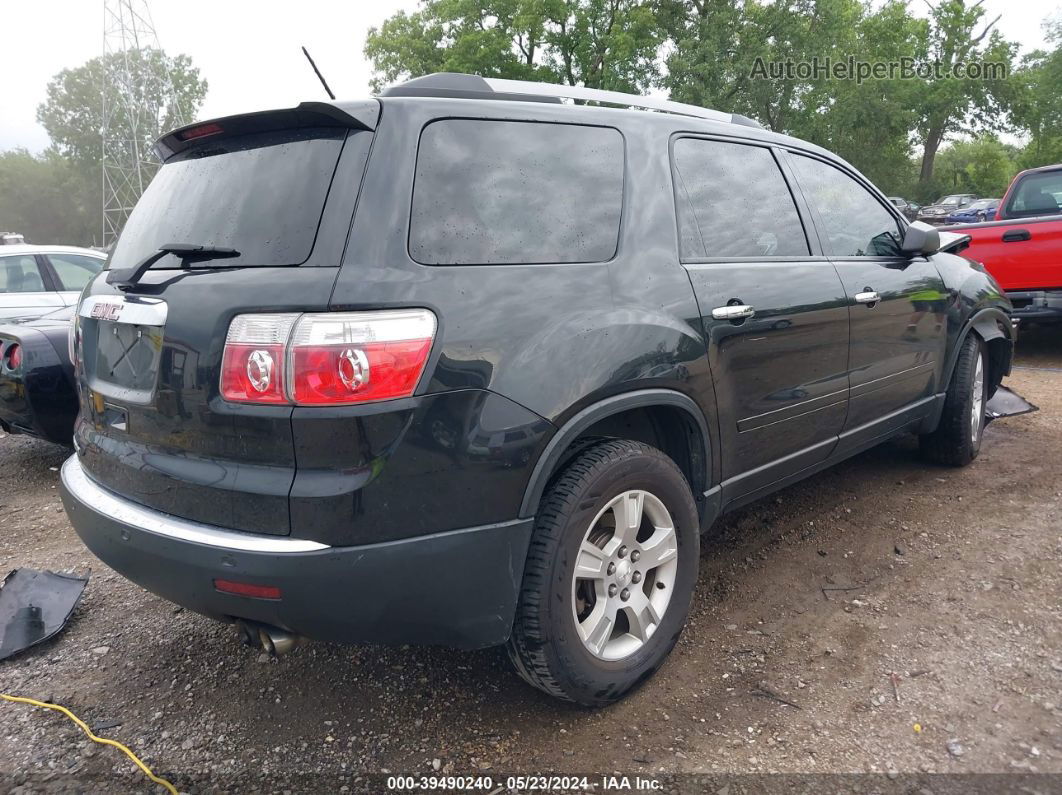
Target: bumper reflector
[247, 589]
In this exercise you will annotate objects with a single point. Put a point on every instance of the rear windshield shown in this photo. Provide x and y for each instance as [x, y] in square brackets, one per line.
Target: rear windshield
[1036, 194]
[261, 194]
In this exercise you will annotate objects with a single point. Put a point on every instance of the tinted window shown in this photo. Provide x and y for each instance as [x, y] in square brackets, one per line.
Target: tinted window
[261, 194]
[1036, 194]
[20, 274]
[497, 192]
[75, 270]
[741, 205]
[856, 224]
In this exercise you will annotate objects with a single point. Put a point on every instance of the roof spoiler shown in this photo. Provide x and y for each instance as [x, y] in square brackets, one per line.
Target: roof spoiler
[352, 115]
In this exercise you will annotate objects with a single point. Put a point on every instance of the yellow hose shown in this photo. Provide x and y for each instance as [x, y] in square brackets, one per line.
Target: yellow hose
[102, 740]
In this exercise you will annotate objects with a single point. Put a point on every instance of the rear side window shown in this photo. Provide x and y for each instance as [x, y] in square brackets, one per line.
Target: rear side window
[261, 194]
[737, 203]
[855, 222]
[20, 274]
[1036, 194]
[75, 270]
[503, 192]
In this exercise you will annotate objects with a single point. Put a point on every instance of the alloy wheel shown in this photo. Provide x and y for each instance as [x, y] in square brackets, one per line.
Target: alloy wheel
[624, 575]
[977, 404]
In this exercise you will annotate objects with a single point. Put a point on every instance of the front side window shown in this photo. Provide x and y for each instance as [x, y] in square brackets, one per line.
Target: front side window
[504, 192]
[856, 224]
[75, 270]
[20, 274]
[740, 205]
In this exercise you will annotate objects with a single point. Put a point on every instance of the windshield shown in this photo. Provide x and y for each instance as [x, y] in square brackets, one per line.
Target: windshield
[951, 200]
[983, 204]
[260, 194]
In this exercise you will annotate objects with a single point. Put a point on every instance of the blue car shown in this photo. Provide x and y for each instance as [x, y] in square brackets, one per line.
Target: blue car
[975, 213]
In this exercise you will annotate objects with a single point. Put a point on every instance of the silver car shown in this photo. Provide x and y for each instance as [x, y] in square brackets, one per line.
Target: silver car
[39, 279]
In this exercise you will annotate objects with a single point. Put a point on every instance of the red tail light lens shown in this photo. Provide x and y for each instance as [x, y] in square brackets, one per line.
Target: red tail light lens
[14, 357]
[333, 358]
[356, 357]
[252, 366]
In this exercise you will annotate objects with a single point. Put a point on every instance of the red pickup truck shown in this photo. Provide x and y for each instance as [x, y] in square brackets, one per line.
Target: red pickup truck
[1022, 247]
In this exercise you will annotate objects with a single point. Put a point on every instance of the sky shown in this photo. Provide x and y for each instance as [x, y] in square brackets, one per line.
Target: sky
[249, 51]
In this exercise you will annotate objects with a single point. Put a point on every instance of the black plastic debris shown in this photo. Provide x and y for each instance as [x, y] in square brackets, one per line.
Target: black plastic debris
[1007, 404]
[35, 606]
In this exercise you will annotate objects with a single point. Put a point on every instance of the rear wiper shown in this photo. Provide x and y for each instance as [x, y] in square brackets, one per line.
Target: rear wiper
[126, 278]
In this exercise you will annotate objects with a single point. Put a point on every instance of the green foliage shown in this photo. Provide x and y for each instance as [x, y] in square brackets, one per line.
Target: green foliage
[946, 106]
[48, 199]
[73, 111]
[983, 166]
[56, 198]
[1039, 106]
[609, 44]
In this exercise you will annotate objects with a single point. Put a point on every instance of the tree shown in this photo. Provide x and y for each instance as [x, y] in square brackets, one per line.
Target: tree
[610, 44]
[47, 199]
[72, 114]
[951, 103]
[983, 166]
[1039, 107]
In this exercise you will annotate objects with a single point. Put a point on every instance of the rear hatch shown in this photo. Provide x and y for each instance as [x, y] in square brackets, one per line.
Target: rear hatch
[270, 198]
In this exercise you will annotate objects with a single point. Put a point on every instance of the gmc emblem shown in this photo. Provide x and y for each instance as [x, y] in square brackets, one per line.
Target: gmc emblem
[102, 311]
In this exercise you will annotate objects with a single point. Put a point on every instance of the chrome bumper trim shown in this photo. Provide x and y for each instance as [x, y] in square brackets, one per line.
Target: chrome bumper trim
[81, 487]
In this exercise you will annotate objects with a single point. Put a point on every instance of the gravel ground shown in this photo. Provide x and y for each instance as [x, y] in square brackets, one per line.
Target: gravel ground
[882, 617]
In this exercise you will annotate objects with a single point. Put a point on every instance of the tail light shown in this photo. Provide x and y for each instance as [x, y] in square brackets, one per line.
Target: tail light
[333, 358]
[13, 357]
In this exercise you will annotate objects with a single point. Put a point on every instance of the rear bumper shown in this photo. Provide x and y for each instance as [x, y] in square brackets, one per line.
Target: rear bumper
[1036, 304]
[457, 588]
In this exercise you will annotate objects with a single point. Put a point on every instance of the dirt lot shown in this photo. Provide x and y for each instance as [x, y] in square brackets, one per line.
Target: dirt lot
[911, 617]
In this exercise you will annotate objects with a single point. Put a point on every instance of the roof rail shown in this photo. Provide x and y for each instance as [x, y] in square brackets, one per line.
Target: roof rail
[454, 84]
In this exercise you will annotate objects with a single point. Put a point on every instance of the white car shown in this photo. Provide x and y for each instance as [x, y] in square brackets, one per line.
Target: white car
[35, 280]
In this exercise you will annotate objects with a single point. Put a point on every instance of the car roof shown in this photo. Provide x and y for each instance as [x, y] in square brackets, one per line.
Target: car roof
[26, 248]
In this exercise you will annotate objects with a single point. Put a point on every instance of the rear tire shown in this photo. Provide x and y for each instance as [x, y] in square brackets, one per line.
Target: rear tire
[957, 439]
[609, 574]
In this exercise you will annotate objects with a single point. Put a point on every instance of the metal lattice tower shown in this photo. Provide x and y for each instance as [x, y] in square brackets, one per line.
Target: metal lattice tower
[135, 109]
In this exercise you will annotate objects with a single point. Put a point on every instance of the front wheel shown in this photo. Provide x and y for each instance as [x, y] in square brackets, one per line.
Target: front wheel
[957, 439]
[609, 576]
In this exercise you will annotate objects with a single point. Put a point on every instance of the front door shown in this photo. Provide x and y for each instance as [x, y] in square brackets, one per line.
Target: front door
[774, 315]
[897, 303]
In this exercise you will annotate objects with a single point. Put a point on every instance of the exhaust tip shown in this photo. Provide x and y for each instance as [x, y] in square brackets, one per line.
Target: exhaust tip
[274, 641]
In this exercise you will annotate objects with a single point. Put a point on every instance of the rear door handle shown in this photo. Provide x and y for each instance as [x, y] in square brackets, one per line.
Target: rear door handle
[1016, 235]
[867, 297]
[738, 312]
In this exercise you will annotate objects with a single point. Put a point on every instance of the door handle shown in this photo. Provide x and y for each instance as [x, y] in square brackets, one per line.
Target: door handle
[738, 312]
[1016, 235]
[867, 297]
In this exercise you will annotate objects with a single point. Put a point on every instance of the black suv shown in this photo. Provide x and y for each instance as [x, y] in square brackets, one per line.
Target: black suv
[464, 364]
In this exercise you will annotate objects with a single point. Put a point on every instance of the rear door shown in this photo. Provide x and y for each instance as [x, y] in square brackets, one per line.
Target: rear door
[774, 312]
[24, 287]
[73, 272]
[897, 303]
[280, 189]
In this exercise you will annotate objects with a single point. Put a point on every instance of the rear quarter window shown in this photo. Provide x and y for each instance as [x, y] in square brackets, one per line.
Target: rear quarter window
[505, 192]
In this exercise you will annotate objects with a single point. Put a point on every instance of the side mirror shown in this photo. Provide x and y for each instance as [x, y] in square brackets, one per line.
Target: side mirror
[920, 238]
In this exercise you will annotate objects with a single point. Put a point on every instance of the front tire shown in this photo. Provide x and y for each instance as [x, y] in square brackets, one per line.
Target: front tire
[609, 575]
[957, 439]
